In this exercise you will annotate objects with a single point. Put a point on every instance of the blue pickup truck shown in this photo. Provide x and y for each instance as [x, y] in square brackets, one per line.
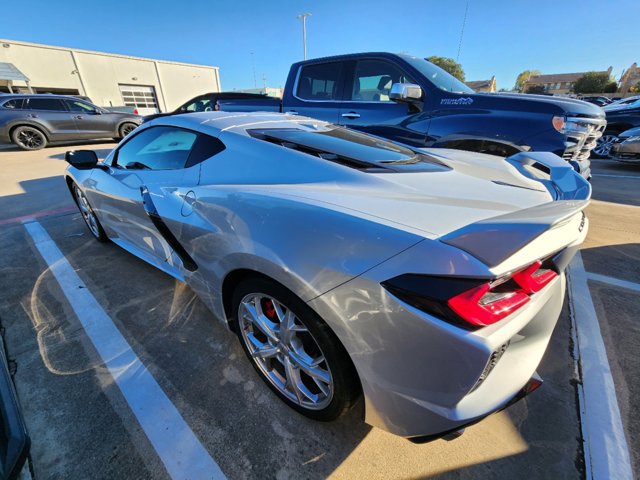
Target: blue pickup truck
[411, 100]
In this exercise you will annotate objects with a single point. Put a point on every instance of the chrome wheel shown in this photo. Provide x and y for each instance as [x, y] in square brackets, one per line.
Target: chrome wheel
[604, 145]
[126, 129]
[87, 212]
[30, 139]
[285, 351]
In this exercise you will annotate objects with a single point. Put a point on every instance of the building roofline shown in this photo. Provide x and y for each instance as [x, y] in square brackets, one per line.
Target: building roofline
[107, 54]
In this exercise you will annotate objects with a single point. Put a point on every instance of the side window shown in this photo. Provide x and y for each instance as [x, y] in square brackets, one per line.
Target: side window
[204, 147]
[45, 104]
[200, 105]
[79, 107]
[373, 79]
[15, 104]
[157, 148]
[320, 82]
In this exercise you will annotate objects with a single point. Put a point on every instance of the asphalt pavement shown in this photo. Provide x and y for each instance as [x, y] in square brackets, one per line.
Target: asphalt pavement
[83, 423]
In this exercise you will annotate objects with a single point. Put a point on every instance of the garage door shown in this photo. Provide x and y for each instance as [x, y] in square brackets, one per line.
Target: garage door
[141, 97]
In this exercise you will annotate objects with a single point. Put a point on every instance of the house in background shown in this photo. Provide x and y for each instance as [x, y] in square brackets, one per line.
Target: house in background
[630, 78]
[557, 83]
[483, 85]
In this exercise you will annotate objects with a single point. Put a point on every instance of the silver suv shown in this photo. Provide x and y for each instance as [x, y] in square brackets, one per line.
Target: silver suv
[32, 121]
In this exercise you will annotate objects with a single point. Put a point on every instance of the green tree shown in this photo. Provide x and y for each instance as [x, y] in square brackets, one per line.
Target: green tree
[449, 65]
[539, 89]
[611, 87]
[635, 88]
[592, 82]
[523, 77]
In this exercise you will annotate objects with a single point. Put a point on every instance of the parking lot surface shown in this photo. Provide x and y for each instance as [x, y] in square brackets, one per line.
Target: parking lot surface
[82, 423]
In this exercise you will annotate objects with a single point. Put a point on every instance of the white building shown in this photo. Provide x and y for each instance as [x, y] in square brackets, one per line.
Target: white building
[107, 79]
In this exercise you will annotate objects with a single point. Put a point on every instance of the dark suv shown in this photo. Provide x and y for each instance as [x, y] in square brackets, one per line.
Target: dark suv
[32, 121]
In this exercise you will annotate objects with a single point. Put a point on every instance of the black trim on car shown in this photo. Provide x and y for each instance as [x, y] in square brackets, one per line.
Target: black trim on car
[188, 262]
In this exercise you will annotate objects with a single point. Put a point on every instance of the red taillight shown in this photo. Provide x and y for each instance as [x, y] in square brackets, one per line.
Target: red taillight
[491, 302]
[135, 111]
[480, 306]
[533, 279]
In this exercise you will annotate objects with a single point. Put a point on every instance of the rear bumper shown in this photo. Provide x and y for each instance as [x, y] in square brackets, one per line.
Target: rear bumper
[420, 375]
[531, 386]
[13, 432]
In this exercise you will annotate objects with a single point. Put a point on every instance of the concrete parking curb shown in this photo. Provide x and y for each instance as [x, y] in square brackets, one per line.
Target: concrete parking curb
[605, 445]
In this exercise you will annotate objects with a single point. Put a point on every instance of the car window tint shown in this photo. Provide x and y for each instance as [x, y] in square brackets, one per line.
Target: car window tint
[16, 103]
[201, 105]
[157, 148]
[204, 147]
[45, 104]
[373, 79]
[319, 82]
[81, 107]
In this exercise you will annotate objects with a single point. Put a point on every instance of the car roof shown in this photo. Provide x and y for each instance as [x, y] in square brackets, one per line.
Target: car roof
[214, 123]
[39, 95]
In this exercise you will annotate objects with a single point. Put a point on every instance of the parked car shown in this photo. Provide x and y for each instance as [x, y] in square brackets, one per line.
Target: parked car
[618, 120]
[428, 280]
[623, 104]
[32, 121]
[15, 439]
[597, 100]
[627, 150]
[224, 101]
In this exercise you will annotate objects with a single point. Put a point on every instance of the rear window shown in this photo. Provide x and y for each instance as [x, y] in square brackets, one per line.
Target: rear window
[320, 82]
[15, 103]
[350, 148]
[45, 104]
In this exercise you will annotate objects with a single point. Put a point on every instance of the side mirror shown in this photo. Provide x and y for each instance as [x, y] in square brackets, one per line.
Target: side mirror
[82, 159]
[405, 92]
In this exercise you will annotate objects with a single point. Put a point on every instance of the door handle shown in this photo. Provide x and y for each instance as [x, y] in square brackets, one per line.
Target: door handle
[32, 115]
[79, 117]
[351, 115]
[292, 112]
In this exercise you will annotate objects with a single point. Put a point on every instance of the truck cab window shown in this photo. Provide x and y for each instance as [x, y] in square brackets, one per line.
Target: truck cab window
[373, 79]
[320, 82]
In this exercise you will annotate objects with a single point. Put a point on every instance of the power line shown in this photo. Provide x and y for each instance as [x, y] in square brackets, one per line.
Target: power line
[464, 21]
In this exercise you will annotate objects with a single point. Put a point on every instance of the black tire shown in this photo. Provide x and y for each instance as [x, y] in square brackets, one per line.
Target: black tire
[88, 215]
[29, 138]
[125, 129]
[346, 386]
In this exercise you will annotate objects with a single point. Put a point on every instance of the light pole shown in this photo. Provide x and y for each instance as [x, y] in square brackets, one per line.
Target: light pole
[303, 17]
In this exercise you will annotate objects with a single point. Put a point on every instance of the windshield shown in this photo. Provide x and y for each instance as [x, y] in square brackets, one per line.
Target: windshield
[441, 79]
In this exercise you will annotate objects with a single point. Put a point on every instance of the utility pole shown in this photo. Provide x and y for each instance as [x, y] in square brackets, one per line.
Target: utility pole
[303, 17]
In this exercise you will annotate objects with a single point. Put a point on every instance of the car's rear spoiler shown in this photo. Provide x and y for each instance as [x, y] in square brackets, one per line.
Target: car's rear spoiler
[494, 240]
[556, 174]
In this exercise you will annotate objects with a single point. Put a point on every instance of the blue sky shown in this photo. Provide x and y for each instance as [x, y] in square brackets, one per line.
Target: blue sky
[501, 38]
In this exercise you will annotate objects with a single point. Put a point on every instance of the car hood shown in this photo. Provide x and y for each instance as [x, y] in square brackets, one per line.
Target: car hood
[431, 204]
[531, 102]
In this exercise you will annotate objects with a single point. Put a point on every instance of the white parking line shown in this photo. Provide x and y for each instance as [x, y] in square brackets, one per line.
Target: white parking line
[181, 452]
[606, 450]
[636, 177]
[614, 281]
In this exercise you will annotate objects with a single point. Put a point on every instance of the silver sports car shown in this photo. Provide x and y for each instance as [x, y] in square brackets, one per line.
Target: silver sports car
[427, 280]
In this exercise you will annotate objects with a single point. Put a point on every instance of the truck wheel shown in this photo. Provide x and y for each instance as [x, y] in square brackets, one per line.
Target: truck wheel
[29, 138]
